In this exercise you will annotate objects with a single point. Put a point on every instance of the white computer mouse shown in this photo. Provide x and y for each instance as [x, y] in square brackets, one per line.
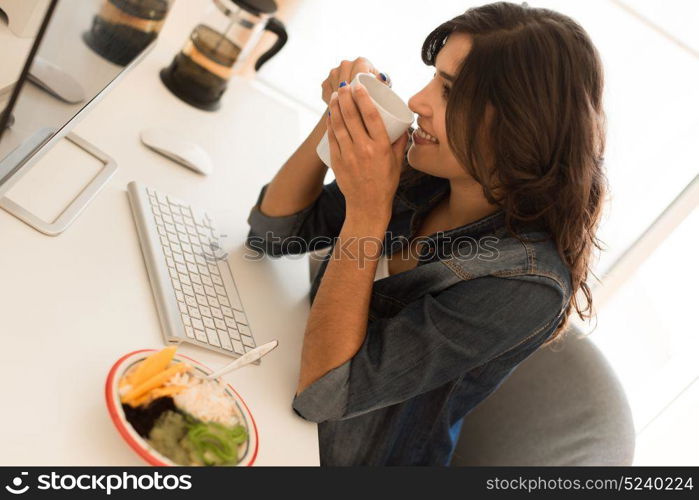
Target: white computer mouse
[56, 81]
[175, 147]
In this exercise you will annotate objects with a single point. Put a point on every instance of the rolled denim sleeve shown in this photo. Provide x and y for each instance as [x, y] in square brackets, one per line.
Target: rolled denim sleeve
[312, 228]
[432, 341]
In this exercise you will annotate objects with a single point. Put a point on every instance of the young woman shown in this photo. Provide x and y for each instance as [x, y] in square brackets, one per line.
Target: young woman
[453, 263]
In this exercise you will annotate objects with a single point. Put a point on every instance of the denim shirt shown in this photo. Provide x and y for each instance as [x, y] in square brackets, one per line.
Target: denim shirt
[440, 337]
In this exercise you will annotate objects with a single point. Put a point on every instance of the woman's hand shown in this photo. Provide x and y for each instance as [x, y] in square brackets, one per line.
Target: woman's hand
[366, 166]
[346, 72]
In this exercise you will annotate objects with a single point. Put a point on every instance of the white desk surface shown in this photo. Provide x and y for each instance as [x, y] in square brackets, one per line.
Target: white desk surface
[70, 306]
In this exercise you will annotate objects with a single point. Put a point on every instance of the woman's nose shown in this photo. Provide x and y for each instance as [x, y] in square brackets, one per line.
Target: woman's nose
[418, 105]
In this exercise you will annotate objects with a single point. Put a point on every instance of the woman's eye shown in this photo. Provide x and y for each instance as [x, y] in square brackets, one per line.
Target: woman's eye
[445, 91]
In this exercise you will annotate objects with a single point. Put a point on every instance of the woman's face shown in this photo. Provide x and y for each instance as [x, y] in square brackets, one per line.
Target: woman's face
[433, 156]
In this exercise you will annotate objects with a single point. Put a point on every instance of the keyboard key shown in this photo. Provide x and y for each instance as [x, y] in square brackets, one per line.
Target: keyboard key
[224, 301]
[217, 280]
[206, 280]
[202, 300]
[213, 269]
[227, 311]
[208, 322]
[199, 259]
[244, 330]
[160, 197]
[188, 220]
[178, 258]
[196, 279]
[189, 331]
[191, 230]
[220, 290]
[210, 291]
[233, 334]
[170, 262]
[216, 313]
[213, 337]
[197, 323]
[161, 231]
[186, 320]
[194, 313]
[200, 335]
[176, 215]
[182, 268]
[190, 301]
[164, 241]
[213, 302]
[240, 317]
[238, 347]
[176, 283]
[225, 341]
[184, 278]
[168, 252]
[179, 295]
[192, 268]
[180, 228]
[183, 307]
[188, 290]
[198, 289]
[220, 324]
[176, 247]
[168, 220]
[203, 269]
[205, 311]
[247, 341]
[188, 256]
[173, 273]
[231, 323]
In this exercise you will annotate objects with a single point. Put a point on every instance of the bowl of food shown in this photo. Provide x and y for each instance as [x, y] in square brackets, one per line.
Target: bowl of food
[169, 413]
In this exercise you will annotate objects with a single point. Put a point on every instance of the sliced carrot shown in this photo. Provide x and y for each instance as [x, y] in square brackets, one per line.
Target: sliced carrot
[153, 382]
[149, 367]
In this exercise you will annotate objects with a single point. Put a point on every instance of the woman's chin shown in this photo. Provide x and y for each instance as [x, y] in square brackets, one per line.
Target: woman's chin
[418, 160]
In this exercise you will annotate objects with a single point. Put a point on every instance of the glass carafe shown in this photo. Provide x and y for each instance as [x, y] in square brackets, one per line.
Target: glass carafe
[122, 29]
[219, 45]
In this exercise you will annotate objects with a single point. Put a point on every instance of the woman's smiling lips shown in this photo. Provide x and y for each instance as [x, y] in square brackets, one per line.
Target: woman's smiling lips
[422, 138]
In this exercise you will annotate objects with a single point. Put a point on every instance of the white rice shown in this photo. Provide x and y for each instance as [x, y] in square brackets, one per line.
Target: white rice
[205, 400]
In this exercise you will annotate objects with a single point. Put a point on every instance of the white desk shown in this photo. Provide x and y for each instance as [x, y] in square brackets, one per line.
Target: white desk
[71, 306]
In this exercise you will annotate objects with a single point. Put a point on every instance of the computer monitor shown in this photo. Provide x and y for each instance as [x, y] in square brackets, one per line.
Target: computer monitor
[81, 50]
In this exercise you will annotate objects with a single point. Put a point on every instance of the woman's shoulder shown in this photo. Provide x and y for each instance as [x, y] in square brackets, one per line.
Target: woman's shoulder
[530, 257]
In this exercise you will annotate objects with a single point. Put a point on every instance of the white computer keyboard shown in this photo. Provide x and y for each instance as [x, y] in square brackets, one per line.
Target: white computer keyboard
[194, 289]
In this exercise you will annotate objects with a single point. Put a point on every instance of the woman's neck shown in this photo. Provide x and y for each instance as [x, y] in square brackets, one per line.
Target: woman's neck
[466, 203]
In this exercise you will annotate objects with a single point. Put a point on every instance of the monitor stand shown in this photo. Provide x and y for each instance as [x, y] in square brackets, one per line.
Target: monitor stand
[78, 204]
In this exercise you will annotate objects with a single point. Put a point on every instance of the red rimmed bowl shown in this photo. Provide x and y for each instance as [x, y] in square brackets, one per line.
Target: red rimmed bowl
[140, 445]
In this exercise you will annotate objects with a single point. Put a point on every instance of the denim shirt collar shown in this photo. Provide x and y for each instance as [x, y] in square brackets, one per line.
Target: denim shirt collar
[421, 192]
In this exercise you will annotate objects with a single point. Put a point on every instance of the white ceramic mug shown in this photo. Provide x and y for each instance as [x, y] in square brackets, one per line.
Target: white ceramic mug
[396, 115]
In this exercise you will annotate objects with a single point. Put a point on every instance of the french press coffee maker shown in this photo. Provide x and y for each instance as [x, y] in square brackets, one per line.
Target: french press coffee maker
[199, 74]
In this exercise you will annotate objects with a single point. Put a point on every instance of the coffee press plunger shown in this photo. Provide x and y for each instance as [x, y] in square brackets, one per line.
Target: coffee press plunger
[219, 45]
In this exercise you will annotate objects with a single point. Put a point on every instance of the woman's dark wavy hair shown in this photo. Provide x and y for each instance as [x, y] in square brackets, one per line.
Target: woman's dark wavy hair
[539, 155]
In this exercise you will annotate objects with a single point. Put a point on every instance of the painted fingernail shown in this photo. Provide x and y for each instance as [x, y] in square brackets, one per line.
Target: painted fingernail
[328, 112]
[383, 76]
[333, 96]
[342, 84]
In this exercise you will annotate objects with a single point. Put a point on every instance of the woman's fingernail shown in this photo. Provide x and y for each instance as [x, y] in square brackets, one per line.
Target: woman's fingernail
[342, 84]
[383, 76]
[328, 112]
